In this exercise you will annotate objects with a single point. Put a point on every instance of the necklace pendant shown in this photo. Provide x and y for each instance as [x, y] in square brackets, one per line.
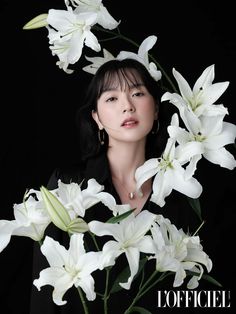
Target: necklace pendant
[131, 195]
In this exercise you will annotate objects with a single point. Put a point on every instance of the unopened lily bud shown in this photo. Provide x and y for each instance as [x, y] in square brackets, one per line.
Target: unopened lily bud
[57, 212]
[77, 225]
[37, 22]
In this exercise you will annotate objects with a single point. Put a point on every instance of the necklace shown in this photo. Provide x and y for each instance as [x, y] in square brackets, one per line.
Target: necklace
[131, 195]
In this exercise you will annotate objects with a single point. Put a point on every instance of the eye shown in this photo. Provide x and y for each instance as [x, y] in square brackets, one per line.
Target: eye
[137, 94]
[111, 99]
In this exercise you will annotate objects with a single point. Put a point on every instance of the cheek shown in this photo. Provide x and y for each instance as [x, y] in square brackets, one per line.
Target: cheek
[106, 114]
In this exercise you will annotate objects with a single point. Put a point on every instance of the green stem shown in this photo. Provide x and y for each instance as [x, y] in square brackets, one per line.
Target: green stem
[163, 275]
[137, 297]
[94, 241]
[146, 287]
[119, 35]
[116, 35]
[83, 301]
[105, 296]
[106, 291]
[164, 73]
[40, 242]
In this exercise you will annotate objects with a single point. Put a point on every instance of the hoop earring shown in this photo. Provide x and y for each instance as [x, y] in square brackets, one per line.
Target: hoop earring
[101, 136]
[155, 127]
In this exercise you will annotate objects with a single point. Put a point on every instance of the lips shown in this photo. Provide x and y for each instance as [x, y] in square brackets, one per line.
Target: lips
[129, 122]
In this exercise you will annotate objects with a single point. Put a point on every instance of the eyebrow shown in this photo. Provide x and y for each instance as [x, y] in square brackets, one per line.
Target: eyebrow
[133, 86]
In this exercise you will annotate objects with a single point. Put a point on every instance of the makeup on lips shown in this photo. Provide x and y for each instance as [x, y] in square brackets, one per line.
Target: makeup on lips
[129, 123]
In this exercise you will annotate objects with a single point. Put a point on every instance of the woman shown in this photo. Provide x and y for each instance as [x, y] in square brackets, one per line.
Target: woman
[118, 130]
[121, 110]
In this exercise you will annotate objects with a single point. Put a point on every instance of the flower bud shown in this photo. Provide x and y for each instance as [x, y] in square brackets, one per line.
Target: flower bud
[57, 212]
[77, 225]
[37, 22]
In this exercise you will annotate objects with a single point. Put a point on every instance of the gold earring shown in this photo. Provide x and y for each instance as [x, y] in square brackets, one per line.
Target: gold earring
[101, 136]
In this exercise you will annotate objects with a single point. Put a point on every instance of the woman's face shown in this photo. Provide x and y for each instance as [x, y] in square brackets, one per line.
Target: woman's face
[126, 111]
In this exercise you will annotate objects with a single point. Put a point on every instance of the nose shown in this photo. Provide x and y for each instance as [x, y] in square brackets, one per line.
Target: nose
[129, 110]
[128, 106]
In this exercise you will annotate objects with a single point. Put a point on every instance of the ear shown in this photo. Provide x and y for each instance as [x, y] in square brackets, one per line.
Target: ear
[96, 119]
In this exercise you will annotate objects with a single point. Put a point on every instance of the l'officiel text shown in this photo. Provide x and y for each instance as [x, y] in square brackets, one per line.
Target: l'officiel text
[193, 299]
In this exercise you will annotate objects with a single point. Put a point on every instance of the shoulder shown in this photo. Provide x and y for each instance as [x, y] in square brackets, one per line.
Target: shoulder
[95, 167]
[67, 174]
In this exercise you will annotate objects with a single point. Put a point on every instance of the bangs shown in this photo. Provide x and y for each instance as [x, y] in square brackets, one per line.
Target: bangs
[123, 78]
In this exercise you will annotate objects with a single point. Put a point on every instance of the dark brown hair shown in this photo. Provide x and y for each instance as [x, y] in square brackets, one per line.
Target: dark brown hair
[127, 71]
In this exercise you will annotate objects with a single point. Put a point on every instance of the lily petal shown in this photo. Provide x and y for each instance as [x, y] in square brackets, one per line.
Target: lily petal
[6, 230]
[132, 255]
[221, 157]
[146, 171]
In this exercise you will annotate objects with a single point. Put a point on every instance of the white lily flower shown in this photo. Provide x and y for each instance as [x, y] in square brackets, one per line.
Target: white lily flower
[211, 132]
[169, 174]
[177, 252]
[190, 152]
[68, 33]
[121, 209]
[77, 201]
[96, 62]
[104, 18]
[31, 220]
[129, 238]
[142, 56]
[201, 98]
[67, 268]
[6, 229]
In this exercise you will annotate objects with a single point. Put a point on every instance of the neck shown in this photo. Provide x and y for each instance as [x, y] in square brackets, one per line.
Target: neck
[124, 160]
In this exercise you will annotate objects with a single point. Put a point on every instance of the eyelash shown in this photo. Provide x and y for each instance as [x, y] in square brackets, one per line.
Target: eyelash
[138, 94]
[110, 99]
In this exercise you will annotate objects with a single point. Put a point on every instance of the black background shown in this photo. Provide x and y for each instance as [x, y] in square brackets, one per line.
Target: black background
[39, 102]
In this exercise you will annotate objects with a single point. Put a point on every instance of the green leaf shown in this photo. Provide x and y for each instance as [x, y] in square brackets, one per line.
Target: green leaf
[138, 309]
[196, 206]
[118, 218]
[124, 275]
[37, 22]
[211, 280]
[204, 276]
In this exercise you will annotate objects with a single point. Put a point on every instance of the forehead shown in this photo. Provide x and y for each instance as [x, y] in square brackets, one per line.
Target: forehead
[122, 79]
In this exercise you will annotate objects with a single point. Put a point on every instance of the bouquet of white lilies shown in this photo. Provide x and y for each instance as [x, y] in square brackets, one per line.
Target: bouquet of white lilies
[175, 252]
[196, 130]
